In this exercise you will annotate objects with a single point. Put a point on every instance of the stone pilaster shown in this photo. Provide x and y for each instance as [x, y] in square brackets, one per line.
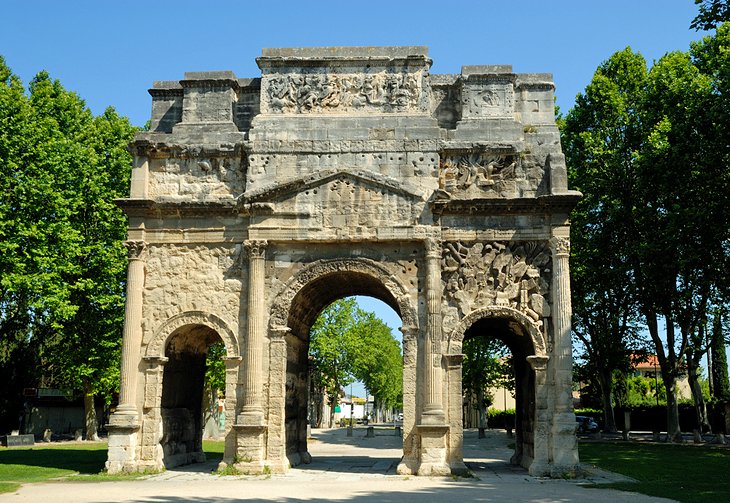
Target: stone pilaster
[124, 424]
[233, 364]
[564, 449]
[540, 464]
[409, 463]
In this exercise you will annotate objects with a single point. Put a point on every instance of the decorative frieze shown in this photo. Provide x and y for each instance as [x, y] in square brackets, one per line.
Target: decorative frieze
[384, 91]
[515, 275]
[485, 171]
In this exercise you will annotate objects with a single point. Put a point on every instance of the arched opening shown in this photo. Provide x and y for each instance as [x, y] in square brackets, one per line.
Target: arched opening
[516, 337]
[183, 394]
[306, 306]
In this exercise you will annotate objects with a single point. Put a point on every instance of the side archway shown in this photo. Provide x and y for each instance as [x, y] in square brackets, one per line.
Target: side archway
[520, 324]
[175, 404]
[526, 342]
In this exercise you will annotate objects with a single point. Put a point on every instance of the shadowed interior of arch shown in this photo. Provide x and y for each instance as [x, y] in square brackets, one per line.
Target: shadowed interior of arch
[182, 394]
[516, 338]
[306, 306]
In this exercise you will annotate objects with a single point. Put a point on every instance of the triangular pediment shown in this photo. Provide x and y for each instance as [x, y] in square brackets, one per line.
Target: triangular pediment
[372, 181]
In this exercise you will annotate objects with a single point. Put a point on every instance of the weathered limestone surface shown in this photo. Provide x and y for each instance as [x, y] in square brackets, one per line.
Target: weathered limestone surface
[340, 171]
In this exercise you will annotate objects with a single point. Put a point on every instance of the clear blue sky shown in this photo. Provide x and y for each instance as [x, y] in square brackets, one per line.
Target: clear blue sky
[110, 52]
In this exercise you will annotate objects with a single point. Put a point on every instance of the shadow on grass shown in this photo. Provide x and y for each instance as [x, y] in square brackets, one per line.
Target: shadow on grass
[85, 460]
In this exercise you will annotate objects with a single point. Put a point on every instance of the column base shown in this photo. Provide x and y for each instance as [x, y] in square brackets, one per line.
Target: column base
[251, 418]
[123, 456]
[407, 466]
[249, 457]
[433, 449]
[433, 417]
[564, 453]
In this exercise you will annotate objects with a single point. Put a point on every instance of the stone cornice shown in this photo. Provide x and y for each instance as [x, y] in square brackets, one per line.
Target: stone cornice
[165, 145]
[557, 203]
[152, 209]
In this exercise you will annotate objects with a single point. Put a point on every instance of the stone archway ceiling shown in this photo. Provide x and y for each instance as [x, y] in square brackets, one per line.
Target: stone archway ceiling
[510, 332]
[192, 338]
[321, 292]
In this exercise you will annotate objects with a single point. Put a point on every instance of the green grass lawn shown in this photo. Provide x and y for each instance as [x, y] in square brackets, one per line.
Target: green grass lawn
[687, 473]
[49, 461]
[84, 461]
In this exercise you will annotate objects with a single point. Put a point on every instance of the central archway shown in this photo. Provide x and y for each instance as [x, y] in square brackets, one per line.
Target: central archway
[297, 306]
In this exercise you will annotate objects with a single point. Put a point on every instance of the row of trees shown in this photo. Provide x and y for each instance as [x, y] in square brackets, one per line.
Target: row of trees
[648, 147]
[348, 344]
[62, 261]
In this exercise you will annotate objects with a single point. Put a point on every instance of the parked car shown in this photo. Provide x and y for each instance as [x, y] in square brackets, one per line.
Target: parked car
[586, 424]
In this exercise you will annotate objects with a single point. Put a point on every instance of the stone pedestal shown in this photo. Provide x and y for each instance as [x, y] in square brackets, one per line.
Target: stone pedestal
[433, 450]
[249, 448]
[123, 446]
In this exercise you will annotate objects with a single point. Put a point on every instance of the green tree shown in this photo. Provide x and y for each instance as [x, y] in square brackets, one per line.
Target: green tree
[377, 360]
[63, 264]
[329, 345]
[348, 344]
[712, 14]
[600, 137]
[670, 157]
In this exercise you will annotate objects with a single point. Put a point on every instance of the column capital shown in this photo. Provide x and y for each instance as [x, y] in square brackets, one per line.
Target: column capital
[433, 247]
[538, 362]
[560, 246]
[135, 249]
[255, 248]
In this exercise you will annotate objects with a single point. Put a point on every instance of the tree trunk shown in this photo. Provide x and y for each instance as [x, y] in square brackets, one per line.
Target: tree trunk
[606, 383]
[700, 408]
[90, 413]
[482, 411]
[719, 374]
[673, 431]
[333, 403]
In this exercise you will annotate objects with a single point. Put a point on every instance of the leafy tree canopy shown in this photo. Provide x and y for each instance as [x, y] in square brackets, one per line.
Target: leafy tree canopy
[62, 262]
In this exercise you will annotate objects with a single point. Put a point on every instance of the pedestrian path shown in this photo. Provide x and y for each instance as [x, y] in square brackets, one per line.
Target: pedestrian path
[355, 469]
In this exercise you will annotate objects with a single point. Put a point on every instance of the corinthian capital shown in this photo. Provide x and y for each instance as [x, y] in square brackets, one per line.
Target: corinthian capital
[433, 247]
[255, 248]
[134, 249]
[560, 246]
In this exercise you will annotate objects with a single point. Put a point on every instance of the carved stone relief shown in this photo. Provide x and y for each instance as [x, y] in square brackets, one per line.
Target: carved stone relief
[490, 100]
[482, 171]
[515, 275]
[323, 93]
[351, 203]
[205, 178]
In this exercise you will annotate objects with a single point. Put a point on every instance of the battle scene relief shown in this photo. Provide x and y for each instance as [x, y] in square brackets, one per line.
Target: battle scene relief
[326, 93]
[515, 275]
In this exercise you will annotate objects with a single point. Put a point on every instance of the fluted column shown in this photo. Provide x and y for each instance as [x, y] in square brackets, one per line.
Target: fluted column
[564, 452]
[132, 334]
[433, 412]
[562, 349]
[253, 412]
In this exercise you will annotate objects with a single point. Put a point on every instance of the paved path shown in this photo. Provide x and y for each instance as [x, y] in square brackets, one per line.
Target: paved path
[354, 469]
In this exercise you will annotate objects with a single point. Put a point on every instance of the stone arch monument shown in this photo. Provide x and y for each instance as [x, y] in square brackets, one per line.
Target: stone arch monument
[256, 202]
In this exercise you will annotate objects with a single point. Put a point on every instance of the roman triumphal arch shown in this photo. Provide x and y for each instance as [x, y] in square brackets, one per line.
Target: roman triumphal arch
[342, 171]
